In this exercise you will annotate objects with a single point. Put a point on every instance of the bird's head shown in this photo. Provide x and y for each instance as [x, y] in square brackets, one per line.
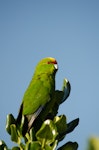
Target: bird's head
[47, 65]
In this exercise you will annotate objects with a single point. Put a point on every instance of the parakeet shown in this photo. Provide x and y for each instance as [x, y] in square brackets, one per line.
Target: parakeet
[39, 92]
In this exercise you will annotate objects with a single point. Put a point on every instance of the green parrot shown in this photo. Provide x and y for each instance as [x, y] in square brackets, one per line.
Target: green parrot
[39, 92]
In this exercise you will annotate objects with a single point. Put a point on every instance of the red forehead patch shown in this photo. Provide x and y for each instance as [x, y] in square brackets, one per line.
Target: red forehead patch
[52, 62]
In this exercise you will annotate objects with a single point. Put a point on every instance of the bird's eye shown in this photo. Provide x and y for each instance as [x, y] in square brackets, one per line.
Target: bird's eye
[49, 62]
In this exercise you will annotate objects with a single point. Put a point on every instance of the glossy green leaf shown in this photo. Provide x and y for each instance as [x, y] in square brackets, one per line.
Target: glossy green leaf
[66, 89]
[71, 125]
[69, 146]
[61, 124]
[14, 134]
[3, 146]
[10, 120]
[47, 133]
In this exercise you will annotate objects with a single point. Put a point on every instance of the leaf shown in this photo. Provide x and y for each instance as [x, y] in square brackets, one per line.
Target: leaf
[69, 146]
[3, 146]
[71, 125]
[66, 89]
[47, 133]
[61, 124]
[10, 120]
[14, 134]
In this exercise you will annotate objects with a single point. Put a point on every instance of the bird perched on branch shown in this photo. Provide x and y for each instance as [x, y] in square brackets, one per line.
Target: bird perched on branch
[39, 93]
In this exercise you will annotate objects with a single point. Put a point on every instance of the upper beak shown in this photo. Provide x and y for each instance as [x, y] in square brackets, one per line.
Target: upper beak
[56, 66]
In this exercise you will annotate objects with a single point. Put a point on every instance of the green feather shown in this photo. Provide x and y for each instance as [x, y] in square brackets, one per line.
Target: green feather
[38, 93]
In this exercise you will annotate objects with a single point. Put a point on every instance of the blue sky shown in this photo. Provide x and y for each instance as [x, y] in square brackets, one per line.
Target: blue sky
[67, 30]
